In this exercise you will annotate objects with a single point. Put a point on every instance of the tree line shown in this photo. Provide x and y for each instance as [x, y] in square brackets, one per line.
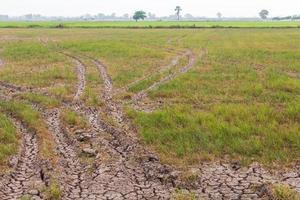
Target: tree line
[140, 15]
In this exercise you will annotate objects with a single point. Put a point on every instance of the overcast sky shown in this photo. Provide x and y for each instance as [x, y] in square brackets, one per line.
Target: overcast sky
[229, 8]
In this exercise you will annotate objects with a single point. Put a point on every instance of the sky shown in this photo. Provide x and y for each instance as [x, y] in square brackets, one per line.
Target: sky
[209, 8]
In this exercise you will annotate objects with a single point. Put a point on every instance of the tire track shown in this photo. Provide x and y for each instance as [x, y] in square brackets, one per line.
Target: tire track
[12, 88]
[112, 107]
[174, 61]
[126, 170]
[80, 69]
[137, 98]
[27, 176]
[130, 172]
[74, 174]
[81, 82]
[134, 173]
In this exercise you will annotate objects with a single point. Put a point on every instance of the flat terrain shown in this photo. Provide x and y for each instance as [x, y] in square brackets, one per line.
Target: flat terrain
[149, 114]
[154, 24]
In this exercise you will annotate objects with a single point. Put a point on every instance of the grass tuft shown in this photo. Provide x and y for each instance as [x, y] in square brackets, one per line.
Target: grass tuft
[283, 192]
[8, 141]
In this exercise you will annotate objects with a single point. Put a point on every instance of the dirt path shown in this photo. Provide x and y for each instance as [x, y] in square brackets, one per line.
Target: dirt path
[26, 177]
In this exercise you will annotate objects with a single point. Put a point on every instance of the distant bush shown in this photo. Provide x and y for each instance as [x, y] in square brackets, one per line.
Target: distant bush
[60, 26]
[34, 26]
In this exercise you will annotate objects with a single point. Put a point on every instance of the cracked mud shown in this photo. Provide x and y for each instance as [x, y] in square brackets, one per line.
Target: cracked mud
[25, 177]
[121, 167]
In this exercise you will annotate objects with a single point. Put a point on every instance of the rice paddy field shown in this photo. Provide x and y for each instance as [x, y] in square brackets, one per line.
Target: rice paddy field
[217, 100]
[152, 24]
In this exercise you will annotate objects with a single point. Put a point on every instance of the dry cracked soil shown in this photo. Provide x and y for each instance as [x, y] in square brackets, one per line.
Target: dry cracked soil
[119, 166]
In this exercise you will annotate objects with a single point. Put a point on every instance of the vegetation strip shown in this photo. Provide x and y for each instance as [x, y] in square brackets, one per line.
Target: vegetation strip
[153, 25]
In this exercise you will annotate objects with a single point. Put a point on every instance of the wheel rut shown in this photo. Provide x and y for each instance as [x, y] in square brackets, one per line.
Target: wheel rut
[124, 169]
[174, 61]
[80, 69]
[112, 107]
[131, 172]
[12, 88]
[25, 178]
[74, 173]
[138, 98]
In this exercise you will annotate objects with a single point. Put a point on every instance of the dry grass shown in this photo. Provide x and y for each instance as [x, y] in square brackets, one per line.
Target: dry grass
[283, 192]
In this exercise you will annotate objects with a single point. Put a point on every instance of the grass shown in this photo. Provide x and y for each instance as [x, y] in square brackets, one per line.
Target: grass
[152, 78]
[73, 119]
[151, 24]
[283, 192]
[44, 101]
[240, 101]
[120, 55]
[53, 191]
[93, 85]
[34, 122]
[30, 63]
[8, 141]
[183, 195]
[237, 102]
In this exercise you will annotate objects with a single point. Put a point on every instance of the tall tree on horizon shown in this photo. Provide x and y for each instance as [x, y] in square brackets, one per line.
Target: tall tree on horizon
[139, 15]
[264, 14]
[178, 9]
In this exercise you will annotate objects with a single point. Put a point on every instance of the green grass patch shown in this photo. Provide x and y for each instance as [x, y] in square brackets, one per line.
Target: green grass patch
[34, 123]
[45, 101]
[53, 191]
[246, 132]
[8, 141]
[73, 119]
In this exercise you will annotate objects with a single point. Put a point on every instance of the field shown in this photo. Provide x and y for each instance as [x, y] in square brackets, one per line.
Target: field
[154, 24]
[225, 102]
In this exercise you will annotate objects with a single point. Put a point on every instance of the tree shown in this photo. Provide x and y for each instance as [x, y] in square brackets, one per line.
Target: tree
[219, 15]
[178, 10]
[264, 14]
[139, 15]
